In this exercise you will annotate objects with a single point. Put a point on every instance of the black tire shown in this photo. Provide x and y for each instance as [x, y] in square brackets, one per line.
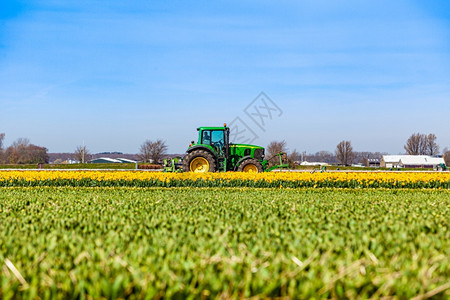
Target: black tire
[196, 154]
[248, 163]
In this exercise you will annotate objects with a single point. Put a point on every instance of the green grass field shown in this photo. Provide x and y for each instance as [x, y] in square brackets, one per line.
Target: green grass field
[230, 243]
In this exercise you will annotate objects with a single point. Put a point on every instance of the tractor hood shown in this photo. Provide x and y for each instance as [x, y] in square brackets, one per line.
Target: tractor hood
[240, 151]
[245, 146]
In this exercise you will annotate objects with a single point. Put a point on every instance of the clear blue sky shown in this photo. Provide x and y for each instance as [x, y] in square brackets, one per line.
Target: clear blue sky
[115, 73]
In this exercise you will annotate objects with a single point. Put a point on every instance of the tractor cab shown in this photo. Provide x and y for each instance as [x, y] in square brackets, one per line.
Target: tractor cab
[216, 138]
[211, 151]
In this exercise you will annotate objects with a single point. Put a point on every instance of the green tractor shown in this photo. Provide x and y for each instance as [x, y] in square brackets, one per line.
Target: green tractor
[441, 167]
[214, 153]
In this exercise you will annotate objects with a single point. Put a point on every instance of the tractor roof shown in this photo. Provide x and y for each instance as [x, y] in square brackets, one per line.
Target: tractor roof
[211, 128]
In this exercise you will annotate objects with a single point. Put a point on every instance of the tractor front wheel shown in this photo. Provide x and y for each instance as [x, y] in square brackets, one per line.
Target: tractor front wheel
[250, 165]
[199, 161]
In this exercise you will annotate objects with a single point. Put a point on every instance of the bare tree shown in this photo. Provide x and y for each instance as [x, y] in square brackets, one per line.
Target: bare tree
[431, 147]
[273, 149]
[415, 145]
[21, 142]
[446, 156]
[81, 154]
[344, 153]
[17, 152]
[422, 144]
[144, 151]
[152, 150]
[293, 157]
[365, 161]
[2, 137]
[323, 156]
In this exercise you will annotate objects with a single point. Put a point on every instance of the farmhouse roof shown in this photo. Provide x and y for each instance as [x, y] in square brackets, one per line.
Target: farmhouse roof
[421, 160]
[316, 163]
[112, 160]
[393, 158]
[126, 160]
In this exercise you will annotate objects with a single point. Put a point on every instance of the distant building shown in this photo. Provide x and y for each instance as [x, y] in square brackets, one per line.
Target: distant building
[107, 160]
[410, 161]
[104, 160]
[420, 161]
[358, 165]
[390, 161]
[307, 163]
[125, 160]
[371, 162]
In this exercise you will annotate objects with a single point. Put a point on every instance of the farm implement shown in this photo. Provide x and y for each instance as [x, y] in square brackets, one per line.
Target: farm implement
[214, 152]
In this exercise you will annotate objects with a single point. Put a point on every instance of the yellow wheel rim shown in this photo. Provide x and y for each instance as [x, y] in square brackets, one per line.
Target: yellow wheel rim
[199, 165]
[250, 168]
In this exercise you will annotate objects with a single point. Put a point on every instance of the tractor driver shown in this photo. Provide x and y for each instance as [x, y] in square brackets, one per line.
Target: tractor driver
[206, 138]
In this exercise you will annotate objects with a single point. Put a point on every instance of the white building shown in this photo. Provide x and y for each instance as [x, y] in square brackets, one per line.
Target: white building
[390, 161]
[307, 163]
[410, 161]
[126, 160]
[104, 160]
[420, 161]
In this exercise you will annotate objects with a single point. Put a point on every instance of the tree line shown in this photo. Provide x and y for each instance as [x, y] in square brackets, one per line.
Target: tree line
[422, 144]
[22, 151]
[416, 144]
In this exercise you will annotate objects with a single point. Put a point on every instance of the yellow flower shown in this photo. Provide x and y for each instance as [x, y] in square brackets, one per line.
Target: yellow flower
[387, 179]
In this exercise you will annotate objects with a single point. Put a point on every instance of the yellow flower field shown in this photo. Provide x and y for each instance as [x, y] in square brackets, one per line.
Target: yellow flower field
[229, 179]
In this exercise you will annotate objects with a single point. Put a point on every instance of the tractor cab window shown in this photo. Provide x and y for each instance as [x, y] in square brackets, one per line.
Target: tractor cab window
[206, 137]
[214, 138]
[217, 137]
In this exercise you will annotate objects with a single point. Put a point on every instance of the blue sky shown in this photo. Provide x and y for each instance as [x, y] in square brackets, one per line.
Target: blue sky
[112, 74]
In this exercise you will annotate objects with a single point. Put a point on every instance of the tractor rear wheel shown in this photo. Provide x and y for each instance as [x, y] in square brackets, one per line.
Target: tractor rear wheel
[199, 161]
[250, 165]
